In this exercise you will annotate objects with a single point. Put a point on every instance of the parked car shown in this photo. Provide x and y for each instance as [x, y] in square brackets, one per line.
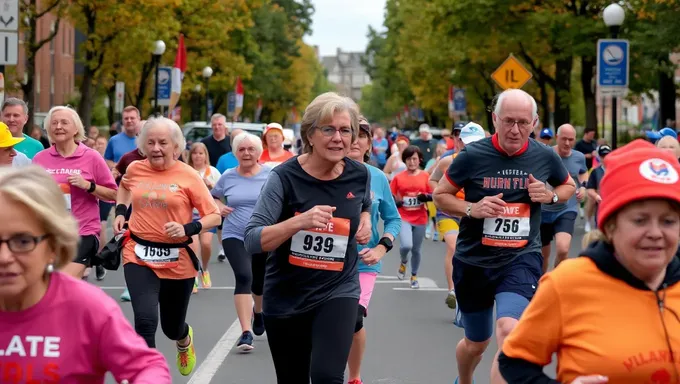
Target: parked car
[196, 131]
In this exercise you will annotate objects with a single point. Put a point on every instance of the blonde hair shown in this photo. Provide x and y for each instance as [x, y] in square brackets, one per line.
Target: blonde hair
[195, 147]
[591, 237]
[75, 119]
[175, 131]
[33, 187]
[321, 110]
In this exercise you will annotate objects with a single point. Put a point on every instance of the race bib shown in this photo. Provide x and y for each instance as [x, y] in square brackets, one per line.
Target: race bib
[156, 257]
[323, 249]
[411, 202]
[66, 190]
[509, 230]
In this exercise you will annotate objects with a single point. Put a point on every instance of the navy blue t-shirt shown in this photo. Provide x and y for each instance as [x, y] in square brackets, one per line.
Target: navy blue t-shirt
[484, 169]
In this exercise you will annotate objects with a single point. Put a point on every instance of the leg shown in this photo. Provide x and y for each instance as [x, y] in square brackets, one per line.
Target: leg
[564, 228]
[290, 343]
[356, 353]
[547, 233]
[332, 330]
[88, 247]
[418, 237]
[405, 241]
[174, 302]
[259, 262]
[206, 249]
[241, 263]
[144, 287]
[448, 230]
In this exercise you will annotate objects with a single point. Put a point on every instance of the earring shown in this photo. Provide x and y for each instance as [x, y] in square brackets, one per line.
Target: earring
[50, 268]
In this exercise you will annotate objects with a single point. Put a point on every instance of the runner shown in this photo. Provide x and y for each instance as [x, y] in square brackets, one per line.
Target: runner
[587, 310]
[394, 164]
[595, 178]
[370, 262]
[449, 226]
[15, 116]
[54, 328]
[498, 256]
[240, 188]
[218, 143]
[228, 160]
[124, 141]
[272, 142]
[159, 266]
[8, 155]
[105, 207]
[83, 177]
[411, 190]
[546, 136]
[311, 290]
[558, 220]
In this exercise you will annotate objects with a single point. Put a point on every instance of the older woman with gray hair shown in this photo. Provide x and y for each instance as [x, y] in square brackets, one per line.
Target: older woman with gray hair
[159, 265]
[311, 290]
[84, 179]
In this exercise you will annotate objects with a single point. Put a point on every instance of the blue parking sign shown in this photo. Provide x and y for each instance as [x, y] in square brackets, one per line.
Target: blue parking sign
[613, 63]
[459, 100]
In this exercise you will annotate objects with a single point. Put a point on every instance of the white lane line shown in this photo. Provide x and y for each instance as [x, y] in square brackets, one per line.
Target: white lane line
[392, 282]
[199, 288]
[386, 277]
[422, 289]
[217, 356]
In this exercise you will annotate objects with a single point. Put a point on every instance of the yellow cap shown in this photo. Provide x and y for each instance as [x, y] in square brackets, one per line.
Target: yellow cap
[6, 138]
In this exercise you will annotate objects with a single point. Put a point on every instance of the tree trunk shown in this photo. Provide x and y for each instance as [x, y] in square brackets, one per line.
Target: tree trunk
[86, 89]
[111, 113]
[666, 93]
[28, 88]
[563, 68]
[147, 68]
[544, 103]
[587, 73]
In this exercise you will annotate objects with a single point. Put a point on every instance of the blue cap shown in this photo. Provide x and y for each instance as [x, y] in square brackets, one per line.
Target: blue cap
[546, 133]
[653, 135]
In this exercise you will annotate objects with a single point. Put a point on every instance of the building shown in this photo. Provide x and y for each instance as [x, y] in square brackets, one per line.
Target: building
[346, 72]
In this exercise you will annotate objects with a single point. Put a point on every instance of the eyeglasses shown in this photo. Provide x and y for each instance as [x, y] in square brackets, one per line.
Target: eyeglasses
[509, 123]
[330, 131]
[22, 242]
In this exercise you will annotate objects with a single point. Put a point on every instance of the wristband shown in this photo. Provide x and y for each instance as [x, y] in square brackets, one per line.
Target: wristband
[93, 186]
[121, 210]
[193, 228]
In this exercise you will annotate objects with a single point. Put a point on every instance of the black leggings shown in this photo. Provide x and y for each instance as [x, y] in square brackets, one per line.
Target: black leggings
[147, 291]
[248, 270]
[313, 344]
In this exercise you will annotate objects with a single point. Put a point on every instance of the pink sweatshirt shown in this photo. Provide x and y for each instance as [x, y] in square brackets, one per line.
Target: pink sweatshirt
[88, 163]
[75, 334]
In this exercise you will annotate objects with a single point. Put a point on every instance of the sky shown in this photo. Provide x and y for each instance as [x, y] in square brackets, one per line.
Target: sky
[344, 24]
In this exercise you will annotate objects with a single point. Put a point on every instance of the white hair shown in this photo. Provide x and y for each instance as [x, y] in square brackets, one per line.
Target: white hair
[75, 119]
[510, 92]
[175, 131]
[217, 116]
[245, 136]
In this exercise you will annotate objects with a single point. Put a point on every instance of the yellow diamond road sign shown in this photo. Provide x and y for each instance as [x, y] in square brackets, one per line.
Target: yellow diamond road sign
[511, 74]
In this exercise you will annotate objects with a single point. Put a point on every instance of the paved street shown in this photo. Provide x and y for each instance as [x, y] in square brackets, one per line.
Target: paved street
[411, 339]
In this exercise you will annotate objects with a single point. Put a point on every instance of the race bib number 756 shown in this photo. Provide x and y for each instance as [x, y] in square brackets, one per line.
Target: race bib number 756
[509, 230]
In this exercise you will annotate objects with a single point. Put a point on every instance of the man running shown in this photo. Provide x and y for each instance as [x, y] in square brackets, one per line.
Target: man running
[557, 220]
[498, 254]
[15, 116]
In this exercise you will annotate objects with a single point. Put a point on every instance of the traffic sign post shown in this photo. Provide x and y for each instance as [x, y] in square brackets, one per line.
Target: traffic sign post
[231, 104]
[511, 74]
[459, 100]
[164, 86]
[9, 37]
[613, 67]
[120, 97]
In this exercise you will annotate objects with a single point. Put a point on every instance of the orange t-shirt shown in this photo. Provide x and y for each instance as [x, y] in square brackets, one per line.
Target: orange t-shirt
[265, 159]
[407, 187]
[160, 197]
[597, 325]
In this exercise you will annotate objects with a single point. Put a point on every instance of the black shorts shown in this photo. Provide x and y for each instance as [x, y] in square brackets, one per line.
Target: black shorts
[563, 223]
[104, 210]
[87, 248]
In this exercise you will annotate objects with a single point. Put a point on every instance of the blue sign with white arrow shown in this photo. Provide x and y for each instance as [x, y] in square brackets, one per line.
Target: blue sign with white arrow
[459, 100]
[164, 85]
[613, 63]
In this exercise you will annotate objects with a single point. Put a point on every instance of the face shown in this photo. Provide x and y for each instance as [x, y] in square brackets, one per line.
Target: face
[88, 142]
[62, 128]
[15, 118]
[7, 155]
[159, 147]
[36, 133]
[274, 139]
[646, 236]
[514, 123]
[425, 135]
[247, 154]
[93, 132]
[100, 145]
[589, 136]
[402, 145]
[332, 140]
[413, 162]
[566, 138]
[198, 157]
[441, 148]
[378, 131]
[360, 146]
[130, 122]
[670, 145]
[219, 127]
[20, 271]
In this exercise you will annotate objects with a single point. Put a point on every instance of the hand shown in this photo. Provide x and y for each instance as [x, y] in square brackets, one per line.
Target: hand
[115, 173]
[226, 210]
[364, 232]
[118, 224]
[489, 206]
[598, 199]
[592, 379]
[208, 183]
[78, 181]
[538, 191]
[422, 198]
[581, 194]
[317, 217]
[372, 256]
[174, 230]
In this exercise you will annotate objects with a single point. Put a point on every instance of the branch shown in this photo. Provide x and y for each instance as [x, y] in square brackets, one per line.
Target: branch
[535, 68]
[47, 10]
[49, 37]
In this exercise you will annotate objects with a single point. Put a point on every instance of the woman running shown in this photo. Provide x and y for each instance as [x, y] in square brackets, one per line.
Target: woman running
[273, 152]
[411, 190]
[371, 254]
[160, 267]
[240, 188]
[394, 164]
[83, 176]
[199, 160]
[58, 329]
[311, 290]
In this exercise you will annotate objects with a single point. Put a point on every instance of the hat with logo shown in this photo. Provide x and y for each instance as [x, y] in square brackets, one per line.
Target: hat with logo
[637, 171]
[424, 128]
[603, 150]
[546, 133]
[472, 132]
[6, 138]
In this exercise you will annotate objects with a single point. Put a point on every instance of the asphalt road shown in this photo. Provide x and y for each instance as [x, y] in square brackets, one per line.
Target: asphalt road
[411, 338]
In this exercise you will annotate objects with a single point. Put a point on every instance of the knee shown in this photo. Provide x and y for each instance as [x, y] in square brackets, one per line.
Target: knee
[175, 331]
[322, 374]
[472, 348]
[562, 245]
[244, 280]
[359, 325]
[504, 326]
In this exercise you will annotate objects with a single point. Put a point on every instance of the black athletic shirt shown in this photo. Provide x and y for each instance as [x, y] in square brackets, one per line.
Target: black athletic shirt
[313, 266]
[484, 169]
[216, 148]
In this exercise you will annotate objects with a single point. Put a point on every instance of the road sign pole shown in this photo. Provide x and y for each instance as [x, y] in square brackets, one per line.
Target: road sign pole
[157, 58]
[615, 33]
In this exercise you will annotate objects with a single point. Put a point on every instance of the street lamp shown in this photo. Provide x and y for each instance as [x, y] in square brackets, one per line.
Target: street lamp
[158, 50]
[207, 73]
[613, 16]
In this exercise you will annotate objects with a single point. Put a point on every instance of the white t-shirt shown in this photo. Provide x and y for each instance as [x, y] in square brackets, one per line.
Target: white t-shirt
[20, 159]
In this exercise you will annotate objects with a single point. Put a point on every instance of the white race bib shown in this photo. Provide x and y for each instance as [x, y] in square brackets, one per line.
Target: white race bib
[321, 248]
[66, 190]
[155, 255]
[509, 230]
[411, 202]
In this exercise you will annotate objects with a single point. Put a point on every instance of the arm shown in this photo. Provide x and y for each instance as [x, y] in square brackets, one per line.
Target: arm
[439, 170]
[592, 186]
[124, 195]
[105, 184]
[389, 165]
[455, 176]
[389, 213]
[560, 179]
[108, 156]
[202, 200]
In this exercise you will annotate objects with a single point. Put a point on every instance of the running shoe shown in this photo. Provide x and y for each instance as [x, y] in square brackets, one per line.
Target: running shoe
[100, 272]
[414, 282]
[436, 236]
[125, 296]
[186, 356]
[258, 323]
[401, 273]
[221, 257]
[245, 343]
[458, 320]
[357, 381]
[205, 279]
[195, 290]
[451, 299]
[456, 382]
[587, 226]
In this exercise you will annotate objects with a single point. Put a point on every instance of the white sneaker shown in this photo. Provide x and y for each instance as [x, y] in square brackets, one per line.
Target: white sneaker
[587, 226]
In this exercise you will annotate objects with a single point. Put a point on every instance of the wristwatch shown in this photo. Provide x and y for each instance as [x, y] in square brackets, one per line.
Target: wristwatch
[555, 199]
[387, 243]
[468, 210]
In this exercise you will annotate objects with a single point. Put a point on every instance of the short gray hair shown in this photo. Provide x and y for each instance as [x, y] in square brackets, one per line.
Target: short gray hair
[75, 119]
[175, 131]
[321, 110]
[12, 101]
[217, 116]
[510, 92]
[245, 136]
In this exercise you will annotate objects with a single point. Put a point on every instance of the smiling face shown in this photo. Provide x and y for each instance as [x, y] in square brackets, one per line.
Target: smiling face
[198, 157]
[332, 140]
[62, 127]
[159, 147]
[15, 118]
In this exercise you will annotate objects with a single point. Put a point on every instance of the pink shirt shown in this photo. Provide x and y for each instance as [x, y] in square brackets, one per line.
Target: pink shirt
[91, 166]
[75, 334]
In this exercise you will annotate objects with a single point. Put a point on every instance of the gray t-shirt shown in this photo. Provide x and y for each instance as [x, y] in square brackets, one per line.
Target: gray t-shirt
[576, 166]
[240, 193]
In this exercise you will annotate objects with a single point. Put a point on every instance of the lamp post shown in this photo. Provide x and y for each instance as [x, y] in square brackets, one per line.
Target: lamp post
[207, 73]
[613, 16]
[158, 50]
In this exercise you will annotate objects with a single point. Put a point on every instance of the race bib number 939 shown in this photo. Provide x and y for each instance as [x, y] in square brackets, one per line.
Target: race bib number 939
[323, 249]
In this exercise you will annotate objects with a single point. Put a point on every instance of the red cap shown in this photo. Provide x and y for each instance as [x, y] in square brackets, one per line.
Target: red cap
[637, 171]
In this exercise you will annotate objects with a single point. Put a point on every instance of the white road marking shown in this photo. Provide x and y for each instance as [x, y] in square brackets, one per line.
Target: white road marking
[386, 277]
[217, 356]
[199, 288]
[426, 284]
[392, 282]
[422, 289]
